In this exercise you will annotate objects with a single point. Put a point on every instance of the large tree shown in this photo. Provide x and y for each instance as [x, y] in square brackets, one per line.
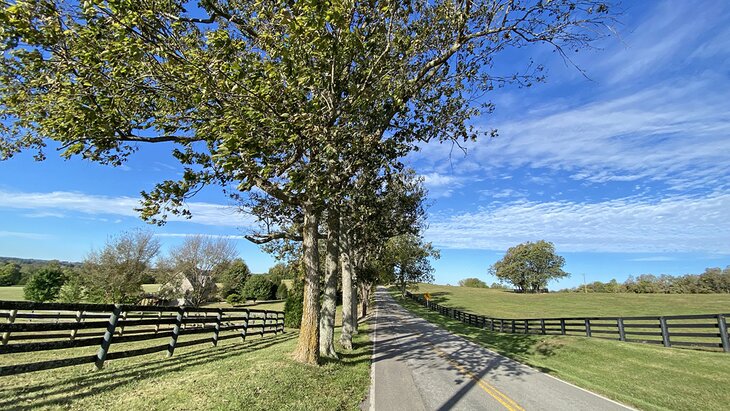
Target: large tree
[529, 266]
[407, 258]
[115, 273]
[291, 97]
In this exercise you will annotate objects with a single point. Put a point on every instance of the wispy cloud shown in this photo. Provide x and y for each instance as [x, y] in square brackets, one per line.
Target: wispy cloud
[654, 258]
[26, 236]
[186, 235]
[64, 202]
[634, 224]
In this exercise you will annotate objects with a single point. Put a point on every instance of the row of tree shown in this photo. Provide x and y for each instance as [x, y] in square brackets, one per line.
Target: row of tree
[713, 280]
[301, 110]
[189, 273]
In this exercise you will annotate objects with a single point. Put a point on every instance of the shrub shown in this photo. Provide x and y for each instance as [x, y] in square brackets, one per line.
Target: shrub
[233, 299]
[234, 277]
[281, 291]
[72, 291]
[44, 285]
[259, 288]
[473, 282]
[294, 305]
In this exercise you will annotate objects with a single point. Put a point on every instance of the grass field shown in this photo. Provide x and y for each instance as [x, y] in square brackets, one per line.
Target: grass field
[258, 374]
[644, 376]
[14, 293]
[504, 304]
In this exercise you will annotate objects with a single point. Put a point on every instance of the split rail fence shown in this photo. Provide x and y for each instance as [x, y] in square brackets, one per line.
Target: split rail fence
[29, 327]
[700, 331]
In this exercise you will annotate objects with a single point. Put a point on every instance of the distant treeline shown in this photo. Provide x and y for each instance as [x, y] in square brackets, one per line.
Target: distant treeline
[713, 280]
[17, 271]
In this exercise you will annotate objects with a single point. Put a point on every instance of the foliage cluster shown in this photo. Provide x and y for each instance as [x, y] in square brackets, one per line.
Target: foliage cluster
[45, 284]
[713, 280]
[529, 266]
[258, 287]
[473, 282]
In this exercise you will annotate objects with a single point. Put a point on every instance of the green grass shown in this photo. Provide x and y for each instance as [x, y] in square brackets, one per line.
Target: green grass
[14, 293]
[258, 374]
[644, 376]
[504, 304]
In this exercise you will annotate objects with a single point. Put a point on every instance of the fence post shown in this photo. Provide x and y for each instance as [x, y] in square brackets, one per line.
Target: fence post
[501, 326]
[491, 324]
[79, 314]
[175, 331]
[513, 326]
[121, 329]
[621, 332]
[665, 331]
[244, 331]
[722, 325]
[107, 341]
[588, 327]
[263, 328]
[562, 326]
[527, 327]
[217, 330]
[159, 319]
[542, 326]
[11, 319]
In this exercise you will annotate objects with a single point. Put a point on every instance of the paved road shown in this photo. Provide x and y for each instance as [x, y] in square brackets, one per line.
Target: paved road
[419, 366]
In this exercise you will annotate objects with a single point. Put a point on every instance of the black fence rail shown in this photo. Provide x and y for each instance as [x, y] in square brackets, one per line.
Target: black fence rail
[700, 331]
[28, 327]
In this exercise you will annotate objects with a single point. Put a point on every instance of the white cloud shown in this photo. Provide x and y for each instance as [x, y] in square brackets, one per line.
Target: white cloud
[441, 185]
[63, 201]
[654, 258]
[633, 224]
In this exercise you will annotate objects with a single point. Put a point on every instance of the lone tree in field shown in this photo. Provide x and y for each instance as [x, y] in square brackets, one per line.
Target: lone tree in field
[290, 97]
[529, 266]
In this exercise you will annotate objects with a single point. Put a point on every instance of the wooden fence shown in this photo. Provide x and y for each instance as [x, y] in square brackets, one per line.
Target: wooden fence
[701, 331]
[28, 327]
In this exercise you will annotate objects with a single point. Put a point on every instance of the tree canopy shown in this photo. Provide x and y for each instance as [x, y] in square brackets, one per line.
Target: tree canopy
[293, 98]
[529, 266]
[473, 282]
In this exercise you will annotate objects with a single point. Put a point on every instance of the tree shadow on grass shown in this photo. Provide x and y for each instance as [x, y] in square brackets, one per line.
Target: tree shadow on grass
[62, 390]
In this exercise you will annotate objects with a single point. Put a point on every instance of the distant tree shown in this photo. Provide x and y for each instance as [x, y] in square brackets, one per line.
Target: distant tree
[233, 277]
[197, 260]
[498, 286]
[529, 266]
[44, 284]
[9, 274]
[116, 273]
[259, 287]
[282, 291]
[473, 282]
[407, 260]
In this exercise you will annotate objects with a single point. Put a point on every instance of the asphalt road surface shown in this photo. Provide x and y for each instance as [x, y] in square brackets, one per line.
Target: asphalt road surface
[419, 366]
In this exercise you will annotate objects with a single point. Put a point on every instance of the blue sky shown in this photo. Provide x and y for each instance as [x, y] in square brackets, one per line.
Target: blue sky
[626, 171]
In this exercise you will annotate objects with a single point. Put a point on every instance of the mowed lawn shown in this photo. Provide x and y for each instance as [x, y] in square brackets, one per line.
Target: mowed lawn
[644, 376]
[506, 304]
[258, 374]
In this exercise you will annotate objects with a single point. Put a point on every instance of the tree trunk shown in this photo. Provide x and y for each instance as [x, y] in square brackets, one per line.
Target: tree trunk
[354, 303]
[307, 350]
[329, 297]
[364, 297]
[347, 314]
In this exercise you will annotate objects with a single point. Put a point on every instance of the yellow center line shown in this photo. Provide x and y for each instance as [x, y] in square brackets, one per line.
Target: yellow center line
[502, 398]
